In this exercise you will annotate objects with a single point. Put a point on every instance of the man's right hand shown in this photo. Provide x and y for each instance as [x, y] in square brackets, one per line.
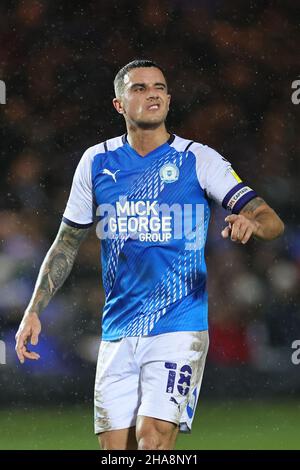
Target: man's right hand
[29, 329]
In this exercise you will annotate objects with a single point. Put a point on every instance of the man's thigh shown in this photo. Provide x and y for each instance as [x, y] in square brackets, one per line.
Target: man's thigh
[116, 387]
[172, 366]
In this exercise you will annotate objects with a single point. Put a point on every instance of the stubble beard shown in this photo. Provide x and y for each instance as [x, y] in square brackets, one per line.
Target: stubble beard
[146, 125]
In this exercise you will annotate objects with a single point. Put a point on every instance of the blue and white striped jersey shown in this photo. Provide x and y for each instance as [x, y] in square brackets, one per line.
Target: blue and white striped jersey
[152, 217]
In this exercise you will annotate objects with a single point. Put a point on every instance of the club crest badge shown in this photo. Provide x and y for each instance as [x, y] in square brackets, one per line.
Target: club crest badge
[169, 173]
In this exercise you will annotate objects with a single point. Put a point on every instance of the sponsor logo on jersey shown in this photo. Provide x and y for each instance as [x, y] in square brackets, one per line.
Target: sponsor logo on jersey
[169, 173]
[110, 173]
[149, 221]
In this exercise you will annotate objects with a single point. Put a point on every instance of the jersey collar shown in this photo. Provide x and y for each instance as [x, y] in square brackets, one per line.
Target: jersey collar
[154, 151]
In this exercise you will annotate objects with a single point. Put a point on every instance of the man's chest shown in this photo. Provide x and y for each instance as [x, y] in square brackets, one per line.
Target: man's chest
[169, 179]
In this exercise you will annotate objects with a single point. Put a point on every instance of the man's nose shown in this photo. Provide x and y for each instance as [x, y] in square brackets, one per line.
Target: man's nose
[152, 94]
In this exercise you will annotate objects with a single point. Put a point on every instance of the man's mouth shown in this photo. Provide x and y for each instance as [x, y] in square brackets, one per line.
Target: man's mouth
[153, 106]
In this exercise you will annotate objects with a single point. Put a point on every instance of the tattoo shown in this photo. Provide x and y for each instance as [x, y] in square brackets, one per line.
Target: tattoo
[253, 204]
[56, 266]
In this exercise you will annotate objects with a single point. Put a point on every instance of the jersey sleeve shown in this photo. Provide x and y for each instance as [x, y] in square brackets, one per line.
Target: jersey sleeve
[79, 211]
[220, 182]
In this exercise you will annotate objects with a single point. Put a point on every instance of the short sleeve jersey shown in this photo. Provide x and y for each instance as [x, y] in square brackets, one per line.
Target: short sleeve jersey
[152, 215]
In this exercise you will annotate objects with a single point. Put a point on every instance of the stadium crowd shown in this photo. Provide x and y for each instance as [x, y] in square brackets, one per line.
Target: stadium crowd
[230, 72]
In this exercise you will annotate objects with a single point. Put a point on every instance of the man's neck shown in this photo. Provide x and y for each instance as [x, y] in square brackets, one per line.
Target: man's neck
[145, 140]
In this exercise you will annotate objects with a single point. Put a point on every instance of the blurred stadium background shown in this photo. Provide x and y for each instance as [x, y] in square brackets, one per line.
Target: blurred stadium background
[230, 68]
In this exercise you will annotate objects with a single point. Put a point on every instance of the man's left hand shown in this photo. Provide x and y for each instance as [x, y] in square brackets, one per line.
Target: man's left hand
[240, 228]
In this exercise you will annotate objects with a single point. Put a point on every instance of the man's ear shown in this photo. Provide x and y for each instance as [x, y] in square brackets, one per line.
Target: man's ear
[118, 105]
[169, 100]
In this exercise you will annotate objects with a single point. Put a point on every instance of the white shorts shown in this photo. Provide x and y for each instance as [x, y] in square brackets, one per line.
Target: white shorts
[158, 376]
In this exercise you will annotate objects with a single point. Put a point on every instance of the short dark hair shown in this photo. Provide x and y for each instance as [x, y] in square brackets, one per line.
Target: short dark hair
[119, 78]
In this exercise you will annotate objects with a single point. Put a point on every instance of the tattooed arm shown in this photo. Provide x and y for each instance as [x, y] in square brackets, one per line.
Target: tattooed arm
[256, 219]
[54, 271]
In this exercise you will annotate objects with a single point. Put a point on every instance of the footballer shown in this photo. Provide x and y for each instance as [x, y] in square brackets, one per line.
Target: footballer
[148, 192]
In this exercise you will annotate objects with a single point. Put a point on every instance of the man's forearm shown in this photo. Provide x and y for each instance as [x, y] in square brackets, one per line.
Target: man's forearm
[268, 224]
[56, 266]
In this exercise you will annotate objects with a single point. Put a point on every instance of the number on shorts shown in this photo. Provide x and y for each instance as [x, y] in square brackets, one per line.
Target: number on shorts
[171, 376]
[184, 380]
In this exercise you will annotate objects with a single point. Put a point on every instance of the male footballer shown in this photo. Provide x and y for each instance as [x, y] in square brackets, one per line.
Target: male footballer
[150, 193]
